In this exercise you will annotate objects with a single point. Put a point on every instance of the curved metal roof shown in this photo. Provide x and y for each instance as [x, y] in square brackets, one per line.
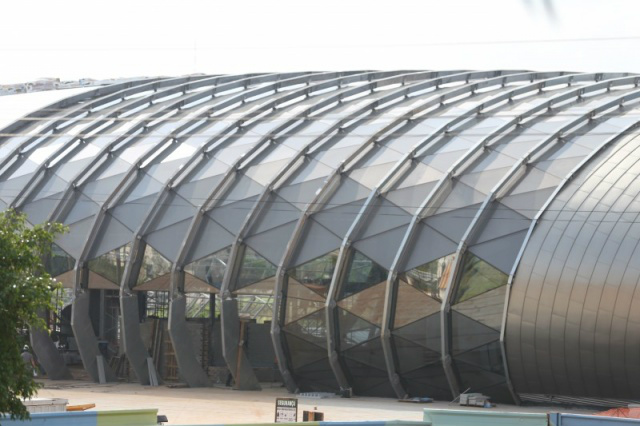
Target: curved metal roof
[411, 227]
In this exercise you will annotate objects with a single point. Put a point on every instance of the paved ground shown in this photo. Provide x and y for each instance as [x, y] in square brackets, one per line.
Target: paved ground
[223, 405]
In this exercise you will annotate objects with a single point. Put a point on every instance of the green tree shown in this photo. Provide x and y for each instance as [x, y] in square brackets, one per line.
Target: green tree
[25, 289]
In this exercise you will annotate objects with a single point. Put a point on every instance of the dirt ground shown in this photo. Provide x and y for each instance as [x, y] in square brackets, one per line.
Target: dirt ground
[223, 405]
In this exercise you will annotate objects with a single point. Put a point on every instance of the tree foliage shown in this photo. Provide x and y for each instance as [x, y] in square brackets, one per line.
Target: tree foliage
[25, 289]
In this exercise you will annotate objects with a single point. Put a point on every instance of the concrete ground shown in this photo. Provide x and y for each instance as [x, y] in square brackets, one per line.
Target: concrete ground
[223, 405]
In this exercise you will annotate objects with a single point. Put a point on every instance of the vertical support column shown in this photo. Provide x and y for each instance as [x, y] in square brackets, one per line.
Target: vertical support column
[47, 353]
[134, 347]
[190, 370]
[82, 328]
[233, 335]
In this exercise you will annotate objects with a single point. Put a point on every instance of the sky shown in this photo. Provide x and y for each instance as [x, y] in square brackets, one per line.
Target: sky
[73, 39]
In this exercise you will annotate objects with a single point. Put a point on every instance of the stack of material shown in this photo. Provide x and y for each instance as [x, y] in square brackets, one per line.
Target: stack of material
[45, 405]
[630, 412]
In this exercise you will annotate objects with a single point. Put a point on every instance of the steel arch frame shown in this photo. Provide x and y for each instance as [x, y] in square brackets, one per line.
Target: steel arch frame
[228, 83]
[195, 377]
[395, 173]
[318, 201]
[177, 317]
[438, 193]
[237, 248]
[81, 271]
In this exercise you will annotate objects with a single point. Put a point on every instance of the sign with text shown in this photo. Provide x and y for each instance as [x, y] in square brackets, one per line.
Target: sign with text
[286, 410]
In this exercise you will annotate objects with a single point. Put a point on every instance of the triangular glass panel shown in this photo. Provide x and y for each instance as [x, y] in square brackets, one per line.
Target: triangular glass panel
[111, 264]
[425, 332]
[467, 334]
[432, 277]
[354, 330]
[315, 241]
[500, 220]
[488, 357]
[383, 217]
[367, 304]
[339, 219]
[58, 261]
[477, 277]
[210, 269]
[411, 356]
[362, 273]
[367, 380]
[272, 243]
[501, 252]
[412, 304]
[428, 245]
[113, 234]
[254, 268]
[153, 265]
[382, 248]
[486, 308]
[232, 215]
[312, 328]
[303, 352]
[316, 377]
[476, 378]
[317, 273]
[429, 380]
[264, 287]
[369, 352]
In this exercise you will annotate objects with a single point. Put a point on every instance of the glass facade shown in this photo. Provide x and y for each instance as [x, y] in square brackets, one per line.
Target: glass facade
[460, 215]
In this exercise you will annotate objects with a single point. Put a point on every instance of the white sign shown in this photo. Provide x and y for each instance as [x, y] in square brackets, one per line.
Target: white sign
[286, 410]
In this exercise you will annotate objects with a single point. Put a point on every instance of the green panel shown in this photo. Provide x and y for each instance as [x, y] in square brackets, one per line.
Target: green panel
[446, 417]
[478, 277]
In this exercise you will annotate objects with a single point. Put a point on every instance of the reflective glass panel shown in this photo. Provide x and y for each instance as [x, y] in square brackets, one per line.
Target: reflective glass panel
[431, 278]
[210, 269]
[317, 273]
[478, 277]
[111, 265]
[362, 273]
[154, 265]
[58, 261]
[254, 268]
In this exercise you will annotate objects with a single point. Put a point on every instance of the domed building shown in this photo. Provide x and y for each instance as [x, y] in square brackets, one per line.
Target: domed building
[394, 233]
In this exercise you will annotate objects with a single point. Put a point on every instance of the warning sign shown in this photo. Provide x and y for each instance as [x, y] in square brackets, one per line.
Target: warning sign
[286, 410]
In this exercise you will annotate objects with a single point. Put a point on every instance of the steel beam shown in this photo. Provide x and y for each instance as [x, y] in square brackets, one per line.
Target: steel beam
[190, 371]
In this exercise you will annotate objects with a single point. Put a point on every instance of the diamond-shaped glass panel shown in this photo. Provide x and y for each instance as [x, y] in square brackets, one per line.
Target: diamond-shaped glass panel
[478, 277]
[254, 268]
[154, 265]
[362, 274]
[210, 269]
[317, 273]
[432, 277]
[111, 264]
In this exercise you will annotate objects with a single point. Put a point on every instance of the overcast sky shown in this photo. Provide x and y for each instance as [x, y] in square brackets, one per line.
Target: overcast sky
[105, 39]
